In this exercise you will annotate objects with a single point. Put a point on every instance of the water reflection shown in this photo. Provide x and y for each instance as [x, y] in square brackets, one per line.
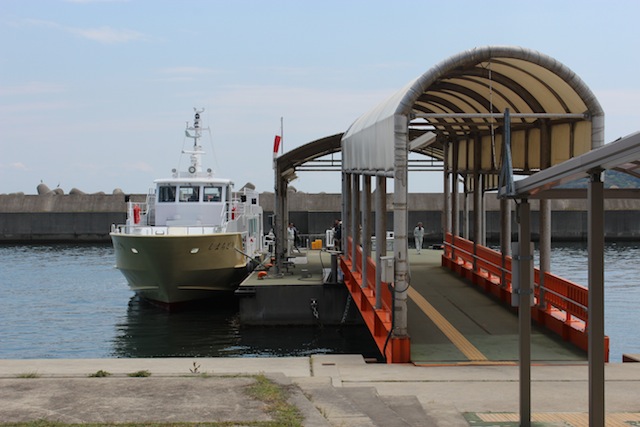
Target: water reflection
[212, 329]
[202, 331]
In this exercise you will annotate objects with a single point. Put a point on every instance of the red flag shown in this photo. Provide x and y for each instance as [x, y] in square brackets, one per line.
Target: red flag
[276, 144]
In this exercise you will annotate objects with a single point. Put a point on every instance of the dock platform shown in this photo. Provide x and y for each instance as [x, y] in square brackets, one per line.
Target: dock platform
[450, 322]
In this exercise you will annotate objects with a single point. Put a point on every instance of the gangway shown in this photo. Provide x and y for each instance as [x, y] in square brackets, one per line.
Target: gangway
[561, 306]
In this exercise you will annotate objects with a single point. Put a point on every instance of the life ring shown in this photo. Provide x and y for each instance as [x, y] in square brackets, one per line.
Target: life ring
[136, 214]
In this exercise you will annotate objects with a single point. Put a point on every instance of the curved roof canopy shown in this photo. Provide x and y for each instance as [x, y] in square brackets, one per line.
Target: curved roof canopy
[554, 115]
[290, 161]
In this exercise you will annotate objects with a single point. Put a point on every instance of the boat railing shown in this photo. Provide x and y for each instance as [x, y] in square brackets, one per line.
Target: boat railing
[176, 230]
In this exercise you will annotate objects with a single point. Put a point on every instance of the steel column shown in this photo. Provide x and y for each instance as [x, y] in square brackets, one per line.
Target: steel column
[366, 227]
[381, 233]
[346, 217]
[400, 222]
[545, 242]
[446, 209]
[355, 217]
[477, 190]
[524, 310]
[455, 211]
[596, 299]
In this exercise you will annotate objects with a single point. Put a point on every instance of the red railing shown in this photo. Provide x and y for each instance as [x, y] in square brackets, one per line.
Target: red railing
[378, 320]
[561, 305]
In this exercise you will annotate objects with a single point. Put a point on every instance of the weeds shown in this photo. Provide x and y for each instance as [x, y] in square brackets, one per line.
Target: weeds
[100, 374]
[275, 397]
[29, 375]
[140, 374]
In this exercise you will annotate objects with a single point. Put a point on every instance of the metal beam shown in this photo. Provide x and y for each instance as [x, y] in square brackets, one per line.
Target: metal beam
[422, 141]
[581, 193]
[581, 116]
[624, 150]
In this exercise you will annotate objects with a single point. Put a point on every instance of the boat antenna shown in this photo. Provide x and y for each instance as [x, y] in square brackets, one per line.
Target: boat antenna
[195, 132]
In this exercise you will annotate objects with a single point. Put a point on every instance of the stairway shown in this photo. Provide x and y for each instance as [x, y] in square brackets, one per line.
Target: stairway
[327, 405]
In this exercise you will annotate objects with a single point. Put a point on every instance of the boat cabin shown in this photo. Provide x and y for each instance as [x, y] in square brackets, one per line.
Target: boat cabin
[192, 203]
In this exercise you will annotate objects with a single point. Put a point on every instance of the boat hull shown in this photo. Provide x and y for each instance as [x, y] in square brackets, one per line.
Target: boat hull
[176, 269]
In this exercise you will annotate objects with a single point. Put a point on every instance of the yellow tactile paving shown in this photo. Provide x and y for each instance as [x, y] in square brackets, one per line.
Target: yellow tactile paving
[571, 419]
[459, 340]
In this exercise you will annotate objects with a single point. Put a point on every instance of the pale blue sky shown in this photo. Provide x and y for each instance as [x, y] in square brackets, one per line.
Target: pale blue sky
[94, 94]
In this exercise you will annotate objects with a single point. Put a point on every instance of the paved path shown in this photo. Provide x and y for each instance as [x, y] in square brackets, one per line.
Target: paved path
[330, 390]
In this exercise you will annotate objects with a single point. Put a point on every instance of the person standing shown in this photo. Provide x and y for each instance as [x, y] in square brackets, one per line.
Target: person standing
[337, 235]
[291, 236]
[418, 236]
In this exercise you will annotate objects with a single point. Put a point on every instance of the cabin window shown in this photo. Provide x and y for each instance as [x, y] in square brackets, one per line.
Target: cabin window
[212, 194]
[189, 194]
[167, 194]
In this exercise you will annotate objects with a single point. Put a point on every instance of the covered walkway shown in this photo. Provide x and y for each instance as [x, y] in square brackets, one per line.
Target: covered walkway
[488, 114]
[451, 322]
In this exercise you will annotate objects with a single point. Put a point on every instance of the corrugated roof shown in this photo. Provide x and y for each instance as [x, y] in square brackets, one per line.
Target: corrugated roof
[555, 116]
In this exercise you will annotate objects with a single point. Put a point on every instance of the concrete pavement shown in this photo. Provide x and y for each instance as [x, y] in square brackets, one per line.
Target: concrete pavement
[331, 390]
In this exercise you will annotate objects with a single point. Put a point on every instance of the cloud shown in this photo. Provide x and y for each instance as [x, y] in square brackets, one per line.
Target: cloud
[139, 166]
[108, 35]
[185, 73]
[31, 88]
[96, 1]
[104, 34]
[187, 70]
[18, 166]
[31, 107]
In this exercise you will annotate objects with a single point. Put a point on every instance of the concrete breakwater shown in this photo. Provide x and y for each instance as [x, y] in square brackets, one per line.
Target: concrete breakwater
[60, 218]
[55, 217]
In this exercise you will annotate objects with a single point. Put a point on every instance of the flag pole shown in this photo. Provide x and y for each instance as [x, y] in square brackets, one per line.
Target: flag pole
[282, 132]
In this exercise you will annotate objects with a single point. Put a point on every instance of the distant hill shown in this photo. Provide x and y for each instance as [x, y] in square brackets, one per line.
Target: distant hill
[612, 179]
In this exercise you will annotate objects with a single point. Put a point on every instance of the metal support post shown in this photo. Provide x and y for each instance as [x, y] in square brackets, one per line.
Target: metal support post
[524, 311]
[381, 234]
[400, 223]
[596, 299]
[355, 217]
[366, 227]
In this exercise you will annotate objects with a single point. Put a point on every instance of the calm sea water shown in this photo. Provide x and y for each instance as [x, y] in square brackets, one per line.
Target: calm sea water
[69, 301]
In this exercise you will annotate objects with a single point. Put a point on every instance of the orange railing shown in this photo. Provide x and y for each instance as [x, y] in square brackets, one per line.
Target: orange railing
[378, 320]
[561, 305]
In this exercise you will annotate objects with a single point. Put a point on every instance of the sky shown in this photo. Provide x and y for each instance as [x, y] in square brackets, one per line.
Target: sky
[95, 94]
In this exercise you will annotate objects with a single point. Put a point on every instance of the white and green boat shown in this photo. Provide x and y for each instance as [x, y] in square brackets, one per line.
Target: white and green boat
[194, 238]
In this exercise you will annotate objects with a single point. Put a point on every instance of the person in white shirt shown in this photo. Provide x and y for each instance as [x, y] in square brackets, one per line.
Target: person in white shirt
[418, 236]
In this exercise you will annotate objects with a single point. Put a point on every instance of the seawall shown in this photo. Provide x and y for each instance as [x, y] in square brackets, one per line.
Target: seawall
[60, 218]
[88, 218]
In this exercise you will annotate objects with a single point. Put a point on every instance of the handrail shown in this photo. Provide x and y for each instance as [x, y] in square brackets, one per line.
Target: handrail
[378, 320]
[166, 230]
[559, 292]
[561, 300]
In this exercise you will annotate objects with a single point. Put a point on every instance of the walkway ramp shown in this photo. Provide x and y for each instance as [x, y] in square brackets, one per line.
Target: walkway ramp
[452, 322]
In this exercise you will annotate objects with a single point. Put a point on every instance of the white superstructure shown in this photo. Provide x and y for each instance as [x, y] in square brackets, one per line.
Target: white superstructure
[195, 235]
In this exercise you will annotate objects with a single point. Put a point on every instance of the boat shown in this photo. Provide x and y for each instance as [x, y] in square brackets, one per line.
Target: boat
[194, 238]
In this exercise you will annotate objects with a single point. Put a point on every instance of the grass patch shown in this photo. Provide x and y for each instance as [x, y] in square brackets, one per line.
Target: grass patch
[45, 423]
[140, 374]
[100, 374]
[29, 375]
[275, 397]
